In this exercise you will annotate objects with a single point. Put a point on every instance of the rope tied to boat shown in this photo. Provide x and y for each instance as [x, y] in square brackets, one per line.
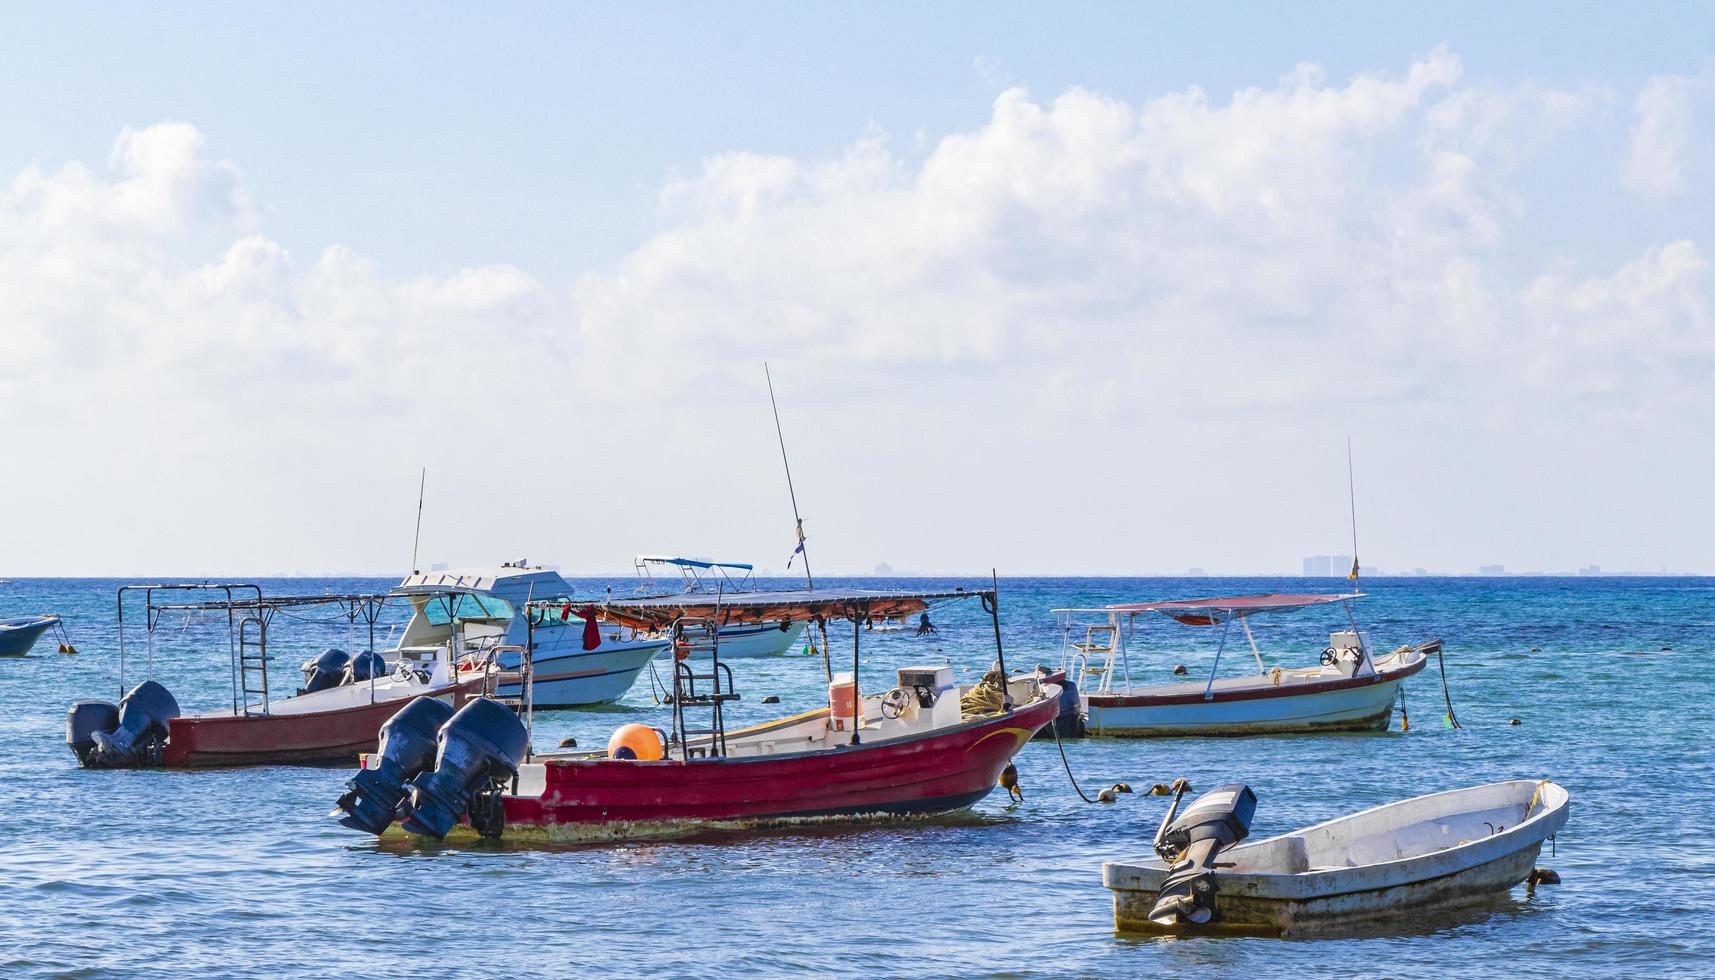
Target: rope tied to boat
[1447, 695]
[1534, 797]
[986, 698]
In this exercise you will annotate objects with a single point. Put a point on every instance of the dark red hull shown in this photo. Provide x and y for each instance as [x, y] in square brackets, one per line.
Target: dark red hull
[316, 738]
[940, 772]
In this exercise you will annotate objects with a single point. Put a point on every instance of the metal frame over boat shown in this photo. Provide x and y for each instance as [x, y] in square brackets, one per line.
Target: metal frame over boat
[1352, 689]
[1410, 857]
[740, 640]
[334, 721]
[924, 747]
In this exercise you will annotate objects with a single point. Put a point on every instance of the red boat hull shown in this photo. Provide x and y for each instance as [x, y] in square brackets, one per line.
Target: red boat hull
[316, 738]
[940, 772]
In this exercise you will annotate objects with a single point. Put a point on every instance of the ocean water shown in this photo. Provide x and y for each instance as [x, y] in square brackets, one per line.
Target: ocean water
[242, 872]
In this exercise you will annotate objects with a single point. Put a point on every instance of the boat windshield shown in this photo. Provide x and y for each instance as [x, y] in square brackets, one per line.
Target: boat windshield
[442, 609]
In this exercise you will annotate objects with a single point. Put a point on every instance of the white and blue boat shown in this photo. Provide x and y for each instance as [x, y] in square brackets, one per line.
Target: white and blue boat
[477, 613]
[699, 577]
[17, 636]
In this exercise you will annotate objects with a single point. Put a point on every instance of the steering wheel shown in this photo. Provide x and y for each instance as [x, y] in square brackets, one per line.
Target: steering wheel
[1329, 657]
[893, 703]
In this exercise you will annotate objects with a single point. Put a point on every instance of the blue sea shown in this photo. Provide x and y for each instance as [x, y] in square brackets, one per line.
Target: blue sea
[242, 872]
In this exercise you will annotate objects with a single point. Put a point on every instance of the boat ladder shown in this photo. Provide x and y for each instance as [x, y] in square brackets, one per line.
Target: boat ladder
[1097, 644]
[700, 681]
[252, 667]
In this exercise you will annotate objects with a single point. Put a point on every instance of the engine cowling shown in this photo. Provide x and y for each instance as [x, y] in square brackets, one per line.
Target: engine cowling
[139, 732]
[479, 749]
[407, 747]
[1216, 821]
[365, 666]
[83, 720]
[324, 670]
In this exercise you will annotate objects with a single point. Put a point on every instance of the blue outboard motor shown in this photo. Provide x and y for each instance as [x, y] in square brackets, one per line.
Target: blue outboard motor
[1217, 820]
[324, 670]
[139, 732]
[407, 748]
[1069, 723]
[364, 666]
[85, 719]
[1069, 720]
[480, 749]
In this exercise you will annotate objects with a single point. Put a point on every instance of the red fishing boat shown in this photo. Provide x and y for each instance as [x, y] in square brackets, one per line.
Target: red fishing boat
[923, 746]
[333, 718]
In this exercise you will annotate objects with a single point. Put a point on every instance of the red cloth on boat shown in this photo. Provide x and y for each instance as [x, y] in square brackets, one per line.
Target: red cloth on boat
[592, 629]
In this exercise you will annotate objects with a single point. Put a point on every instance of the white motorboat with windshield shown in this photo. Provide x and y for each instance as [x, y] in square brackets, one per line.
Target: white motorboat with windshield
[693, 576]
[1351, 688]
[575, 659]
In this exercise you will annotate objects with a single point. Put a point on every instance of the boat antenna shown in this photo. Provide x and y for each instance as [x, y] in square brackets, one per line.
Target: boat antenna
[422, 482]
[1352, 498]
[798, 522]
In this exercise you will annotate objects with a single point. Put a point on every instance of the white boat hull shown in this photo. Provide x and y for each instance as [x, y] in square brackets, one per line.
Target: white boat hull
[1432, 852]
[565, 675]
[1251, 706]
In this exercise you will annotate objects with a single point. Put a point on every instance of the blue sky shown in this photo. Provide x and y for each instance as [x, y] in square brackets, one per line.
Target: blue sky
[988, 247]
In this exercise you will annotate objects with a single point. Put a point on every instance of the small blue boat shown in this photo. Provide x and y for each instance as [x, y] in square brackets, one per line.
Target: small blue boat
[17, 636]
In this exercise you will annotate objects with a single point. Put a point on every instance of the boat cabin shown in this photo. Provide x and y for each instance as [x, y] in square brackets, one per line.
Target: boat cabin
[474, 610]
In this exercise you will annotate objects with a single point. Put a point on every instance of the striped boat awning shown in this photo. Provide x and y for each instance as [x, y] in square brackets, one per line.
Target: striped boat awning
[798, 606]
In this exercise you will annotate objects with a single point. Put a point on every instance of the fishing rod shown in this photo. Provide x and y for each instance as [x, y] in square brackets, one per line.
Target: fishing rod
[1352, 498]
[798, 522]
[422, 482]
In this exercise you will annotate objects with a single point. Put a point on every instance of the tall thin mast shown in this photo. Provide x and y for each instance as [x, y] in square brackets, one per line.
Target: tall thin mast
[798, 522]
[1352, 497]
[422, 482]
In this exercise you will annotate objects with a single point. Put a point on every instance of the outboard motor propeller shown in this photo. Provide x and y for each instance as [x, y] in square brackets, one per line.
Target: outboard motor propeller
[140, 730]
[324, 670]
[1217, 820]
[480, 748]
[364, 666]
[407, 748]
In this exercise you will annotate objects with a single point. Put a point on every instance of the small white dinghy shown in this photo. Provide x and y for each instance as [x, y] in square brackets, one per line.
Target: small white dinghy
[1431, 852]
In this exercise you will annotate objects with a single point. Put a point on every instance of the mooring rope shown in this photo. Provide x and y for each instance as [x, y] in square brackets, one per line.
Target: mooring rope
[1446, 694]
[1055, 724]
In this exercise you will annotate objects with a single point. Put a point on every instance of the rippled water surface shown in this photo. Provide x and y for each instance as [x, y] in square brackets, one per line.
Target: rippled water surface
[242, 872]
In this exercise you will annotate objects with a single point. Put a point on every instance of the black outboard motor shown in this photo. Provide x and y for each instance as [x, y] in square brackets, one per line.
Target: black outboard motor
[324, 670]
[480, 749]
[85, 719]
[139, 732]
[364, 666]
[407, 748]
[1217, 820]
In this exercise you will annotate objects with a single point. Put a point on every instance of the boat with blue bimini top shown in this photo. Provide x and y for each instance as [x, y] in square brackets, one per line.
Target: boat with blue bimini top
[697, 576]
[1352, 688]
[1388, 864]
[577, 660]
[18, 636]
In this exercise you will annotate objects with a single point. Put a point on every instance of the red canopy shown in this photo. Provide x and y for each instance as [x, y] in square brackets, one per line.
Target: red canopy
[1207, 612]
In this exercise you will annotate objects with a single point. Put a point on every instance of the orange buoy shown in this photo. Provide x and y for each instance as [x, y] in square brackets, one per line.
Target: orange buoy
[635, 741]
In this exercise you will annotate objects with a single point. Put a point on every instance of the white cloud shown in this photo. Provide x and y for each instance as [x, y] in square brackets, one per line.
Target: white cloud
[1661, 135]
[1049, 286]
